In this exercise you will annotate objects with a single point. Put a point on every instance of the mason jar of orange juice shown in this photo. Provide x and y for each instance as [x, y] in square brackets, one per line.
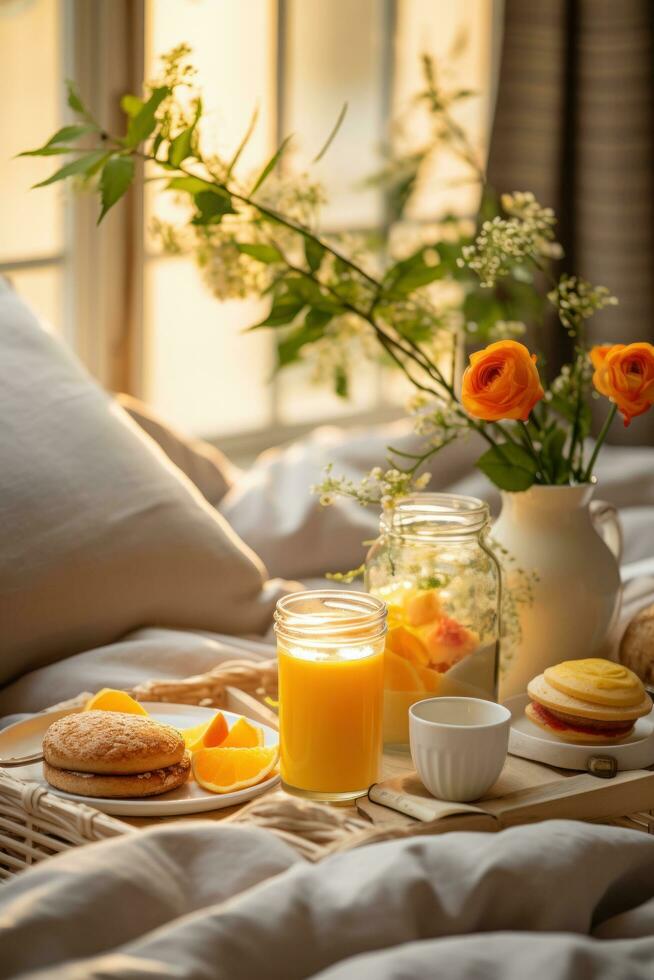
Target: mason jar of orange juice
[433, 567]
[331, 682]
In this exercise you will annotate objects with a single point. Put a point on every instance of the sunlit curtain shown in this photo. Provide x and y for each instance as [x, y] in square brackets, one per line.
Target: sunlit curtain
[575, 124]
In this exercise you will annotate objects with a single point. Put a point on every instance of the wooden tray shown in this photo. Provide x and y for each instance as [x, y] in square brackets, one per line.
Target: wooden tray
[525, 792]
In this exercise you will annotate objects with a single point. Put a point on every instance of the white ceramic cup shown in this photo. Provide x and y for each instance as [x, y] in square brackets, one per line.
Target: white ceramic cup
[458, 745]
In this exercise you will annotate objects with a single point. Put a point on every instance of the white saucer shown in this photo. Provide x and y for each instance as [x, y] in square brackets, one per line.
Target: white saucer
[531, 742]
[25, 738]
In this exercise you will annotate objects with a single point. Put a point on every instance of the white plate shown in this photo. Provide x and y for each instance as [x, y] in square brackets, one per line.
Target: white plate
[531, 742]
[25, 737]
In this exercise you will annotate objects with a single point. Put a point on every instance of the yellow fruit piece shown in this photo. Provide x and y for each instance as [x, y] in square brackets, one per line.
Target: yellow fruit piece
[227, 770]
[406, 644]
[209, 734]
[110, 700]
[399, 674]
[243, 735]
[423, 608]
[431, 679]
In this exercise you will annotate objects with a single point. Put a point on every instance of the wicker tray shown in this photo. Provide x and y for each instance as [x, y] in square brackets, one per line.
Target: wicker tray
[36, 824]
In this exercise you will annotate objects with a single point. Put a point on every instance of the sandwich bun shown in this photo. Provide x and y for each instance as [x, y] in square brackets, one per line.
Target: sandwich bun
[111, 742]
[132, 786]
[542, 692]
[590, 734]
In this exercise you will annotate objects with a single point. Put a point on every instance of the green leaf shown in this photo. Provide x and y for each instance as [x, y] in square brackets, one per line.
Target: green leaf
[341, 382]
[409, 274]
[566, 409]
[84, 165]
[289, 347]
[142, 124]
[313, 252]
[312, 295]
[263, 253]
[131, 105]
[192, 185]
[283, 310]
[69, 133]
[73, 100]
[552, 453]
[211, 207]
[244, 142]
[332, 136]
[52, 147]
[180, 148]
[117, 175]
[509, 467]
[317, 318]
[272, 163]
[48, 151]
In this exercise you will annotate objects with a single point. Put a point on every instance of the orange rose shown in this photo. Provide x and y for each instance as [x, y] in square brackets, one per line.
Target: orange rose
[501, 382]
[625, 374]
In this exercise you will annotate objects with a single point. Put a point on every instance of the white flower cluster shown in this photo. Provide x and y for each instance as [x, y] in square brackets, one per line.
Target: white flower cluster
[528, 233]
[377, 487]
[576, 299]
[436, 420]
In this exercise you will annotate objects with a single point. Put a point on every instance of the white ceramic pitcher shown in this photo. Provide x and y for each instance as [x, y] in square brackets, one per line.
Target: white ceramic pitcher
[574, 546]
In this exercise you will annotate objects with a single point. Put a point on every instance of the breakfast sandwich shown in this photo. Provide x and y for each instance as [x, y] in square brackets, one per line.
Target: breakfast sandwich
[115, 755]
[594, 702]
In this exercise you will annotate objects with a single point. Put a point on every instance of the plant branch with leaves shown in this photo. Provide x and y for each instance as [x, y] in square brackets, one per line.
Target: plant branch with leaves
[336, 298]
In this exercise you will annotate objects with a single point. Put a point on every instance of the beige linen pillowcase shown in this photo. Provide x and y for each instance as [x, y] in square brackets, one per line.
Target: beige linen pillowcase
[99, 532]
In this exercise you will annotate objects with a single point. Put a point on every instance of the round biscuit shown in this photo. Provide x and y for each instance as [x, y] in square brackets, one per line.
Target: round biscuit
[133, 786]
[111, 742]
[542, 692]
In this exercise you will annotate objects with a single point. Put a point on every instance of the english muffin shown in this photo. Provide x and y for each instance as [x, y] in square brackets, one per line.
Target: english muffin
[111, 742]
[594, 702]
[133, 786]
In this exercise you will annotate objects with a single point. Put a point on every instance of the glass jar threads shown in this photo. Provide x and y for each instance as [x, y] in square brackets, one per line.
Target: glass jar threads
[441, 583]
[330, 648]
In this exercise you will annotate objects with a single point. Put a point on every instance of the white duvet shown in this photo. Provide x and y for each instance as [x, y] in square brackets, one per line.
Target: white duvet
[561, 901]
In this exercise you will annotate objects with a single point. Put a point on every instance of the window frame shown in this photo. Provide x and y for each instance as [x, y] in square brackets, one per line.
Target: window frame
[104, 44]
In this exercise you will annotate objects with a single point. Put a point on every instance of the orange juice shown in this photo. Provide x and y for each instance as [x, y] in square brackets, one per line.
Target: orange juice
[331, 681]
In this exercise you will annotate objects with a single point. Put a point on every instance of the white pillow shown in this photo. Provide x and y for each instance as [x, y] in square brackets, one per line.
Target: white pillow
[99, 532]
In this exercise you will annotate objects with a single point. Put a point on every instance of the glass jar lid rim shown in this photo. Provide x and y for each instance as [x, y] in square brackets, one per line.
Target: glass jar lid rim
[422, 514]
[337, 613]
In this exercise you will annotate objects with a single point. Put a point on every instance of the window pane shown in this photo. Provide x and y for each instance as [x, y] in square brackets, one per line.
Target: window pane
[31, 76]
[437, 27]
[234, 52]
[335, 55]
[43, 290]
[203, 372]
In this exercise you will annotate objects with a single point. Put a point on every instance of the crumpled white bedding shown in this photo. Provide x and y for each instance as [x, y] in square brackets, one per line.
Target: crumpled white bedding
[561, 900]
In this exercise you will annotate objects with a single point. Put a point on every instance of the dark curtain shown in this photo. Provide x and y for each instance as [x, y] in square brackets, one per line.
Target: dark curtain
[574, 123]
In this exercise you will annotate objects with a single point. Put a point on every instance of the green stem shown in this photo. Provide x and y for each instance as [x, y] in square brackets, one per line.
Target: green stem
[598, 444]
[534, 451]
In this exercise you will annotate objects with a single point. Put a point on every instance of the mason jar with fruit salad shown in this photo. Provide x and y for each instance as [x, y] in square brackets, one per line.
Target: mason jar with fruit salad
[435, 570]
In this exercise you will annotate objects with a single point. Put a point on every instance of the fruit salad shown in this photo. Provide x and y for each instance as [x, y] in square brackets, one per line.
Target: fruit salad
[424, 645]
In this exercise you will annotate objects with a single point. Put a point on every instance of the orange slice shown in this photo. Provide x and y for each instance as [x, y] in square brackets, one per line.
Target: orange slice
[399, 674]
[242, 735]
[406, 644]
[227, 770]
[110, 700]
[207, 735]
